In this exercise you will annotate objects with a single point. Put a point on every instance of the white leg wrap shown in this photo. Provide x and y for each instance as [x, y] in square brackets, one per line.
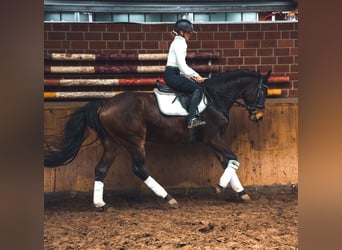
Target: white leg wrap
[155, 187]
[235, 183]
[228, 173]
[98, 194]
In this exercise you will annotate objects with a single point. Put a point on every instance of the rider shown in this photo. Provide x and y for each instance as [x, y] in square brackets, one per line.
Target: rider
[179, 76]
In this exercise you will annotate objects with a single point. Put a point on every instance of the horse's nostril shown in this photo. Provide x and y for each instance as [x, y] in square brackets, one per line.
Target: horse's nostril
[259, 115]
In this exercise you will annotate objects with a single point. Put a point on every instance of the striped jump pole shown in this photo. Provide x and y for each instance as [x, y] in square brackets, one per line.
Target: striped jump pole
[101, 82]
[126, 81]
[121, 57]
[274, 92]
[79, 95]
[278, 79]
[108, 94]
[118, 69]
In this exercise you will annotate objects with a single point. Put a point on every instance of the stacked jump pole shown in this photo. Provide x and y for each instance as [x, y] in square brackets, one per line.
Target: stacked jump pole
[89, 75]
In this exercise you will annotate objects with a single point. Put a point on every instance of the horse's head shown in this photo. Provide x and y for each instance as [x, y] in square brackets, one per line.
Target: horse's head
[254, 98]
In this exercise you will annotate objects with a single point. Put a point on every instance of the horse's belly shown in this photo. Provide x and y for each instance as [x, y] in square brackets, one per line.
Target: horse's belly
[167, 135]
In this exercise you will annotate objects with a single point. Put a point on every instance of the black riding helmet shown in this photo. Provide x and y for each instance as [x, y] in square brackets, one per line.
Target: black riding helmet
[183, 24]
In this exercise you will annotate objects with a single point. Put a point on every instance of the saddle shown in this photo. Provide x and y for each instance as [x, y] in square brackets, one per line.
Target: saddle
[171, 102]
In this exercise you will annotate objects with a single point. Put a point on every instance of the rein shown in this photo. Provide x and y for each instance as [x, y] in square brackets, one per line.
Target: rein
[209, 99]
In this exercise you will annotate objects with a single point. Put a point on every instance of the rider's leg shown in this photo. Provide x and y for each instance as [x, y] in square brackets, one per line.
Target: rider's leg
[185, 85]
[193, 117]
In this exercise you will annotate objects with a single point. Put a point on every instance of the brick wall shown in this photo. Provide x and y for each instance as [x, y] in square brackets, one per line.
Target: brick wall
[261, 46]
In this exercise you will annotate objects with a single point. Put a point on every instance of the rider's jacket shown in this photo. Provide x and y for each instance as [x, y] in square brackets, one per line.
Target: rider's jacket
[177, 55]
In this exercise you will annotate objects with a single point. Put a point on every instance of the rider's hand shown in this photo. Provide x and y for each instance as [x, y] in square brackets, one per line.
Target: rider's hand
[198, 79]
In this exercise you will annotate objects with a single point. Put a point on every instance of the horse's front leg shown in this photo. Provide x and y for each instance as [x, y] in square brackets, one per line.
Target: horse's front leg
[230, 164]
[230, 176]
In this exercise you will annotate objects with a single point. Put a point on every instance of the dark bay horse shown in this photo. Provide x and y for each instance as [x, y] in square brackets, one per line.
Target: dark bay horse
[130, 119]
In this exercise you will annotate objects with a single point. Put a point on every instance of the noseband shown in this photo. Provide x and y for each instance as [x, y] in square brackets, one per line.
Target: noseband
[258, 93]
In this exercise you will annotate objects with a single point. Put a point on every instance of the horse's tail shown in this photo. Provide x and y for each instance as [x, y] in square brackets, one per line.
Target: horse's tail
[65, 149]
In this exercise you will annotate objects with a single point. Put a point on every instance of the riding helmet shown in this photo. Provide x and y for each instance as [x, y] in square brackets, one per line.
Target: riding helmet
[183, 24]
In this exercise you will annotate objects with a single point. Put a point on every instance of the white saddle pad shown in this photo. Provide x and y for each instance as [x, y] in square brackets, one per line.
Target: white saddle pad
[169, 106]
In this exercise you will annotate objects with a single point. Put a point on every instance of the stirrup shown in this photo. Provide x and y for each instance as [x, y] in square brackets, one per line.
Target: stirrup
[195, 122]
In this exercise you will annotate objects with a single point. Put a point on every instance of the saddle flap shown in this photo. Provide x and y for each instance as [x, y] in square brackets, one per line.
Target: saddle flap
[169, 103]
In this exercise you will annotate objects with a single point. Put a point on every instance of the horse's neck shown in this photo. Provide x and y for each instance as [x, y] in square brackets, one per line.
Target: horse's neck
[224, 98]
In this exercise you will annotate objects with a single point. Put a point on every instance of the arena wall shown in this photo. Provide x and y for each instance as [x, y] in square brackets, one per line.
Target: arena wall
[267, 151]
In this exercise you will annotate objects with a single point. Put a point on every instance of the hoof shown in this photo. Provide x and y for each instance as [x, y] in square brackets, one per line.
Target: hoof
[104, 208]
[173, 203]
[245, 197]
[218, 189]
[219, 192]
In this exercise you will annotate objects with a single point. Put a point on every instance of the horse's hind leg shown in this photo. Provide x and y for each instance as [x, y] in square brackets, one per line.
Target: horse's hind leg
[140, 171]
[138, 161]
[101, 170]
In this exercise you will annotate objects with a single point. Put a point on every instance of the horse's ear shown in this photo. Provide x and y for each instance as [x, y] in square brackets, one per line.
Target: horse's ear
[268, 74]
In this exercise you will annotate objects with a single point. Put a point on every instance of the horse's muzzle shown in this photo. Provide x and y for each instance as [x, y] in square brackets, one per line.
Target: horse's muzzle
[256, 115]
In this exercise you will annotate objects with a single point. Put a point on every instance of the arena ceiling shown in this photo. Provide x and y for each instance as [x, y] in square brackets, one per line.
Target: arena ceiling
[150, 6]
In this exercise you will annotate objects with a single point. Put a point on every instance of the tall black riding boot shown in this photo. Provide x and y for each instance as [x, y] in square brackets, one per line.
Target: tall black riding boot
[194, 119]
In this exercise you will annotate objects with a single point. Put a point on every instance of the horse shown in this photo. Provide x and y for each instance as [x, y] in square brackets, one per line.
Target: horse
[131, 119]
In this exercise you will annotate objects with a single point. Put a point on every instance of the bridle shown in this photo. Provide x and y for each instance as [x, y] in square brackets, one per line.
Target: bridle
[258, 93]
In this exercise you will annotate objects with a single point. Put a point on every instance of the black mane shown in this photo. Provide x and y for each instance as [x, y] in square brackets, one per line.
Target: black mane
[230, 75]
[223, 88]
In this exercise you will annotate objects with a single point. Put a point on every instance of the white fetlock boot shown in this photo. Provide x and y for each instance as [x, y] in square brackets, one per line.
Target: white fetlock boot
[237, 187]
[98, 196]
